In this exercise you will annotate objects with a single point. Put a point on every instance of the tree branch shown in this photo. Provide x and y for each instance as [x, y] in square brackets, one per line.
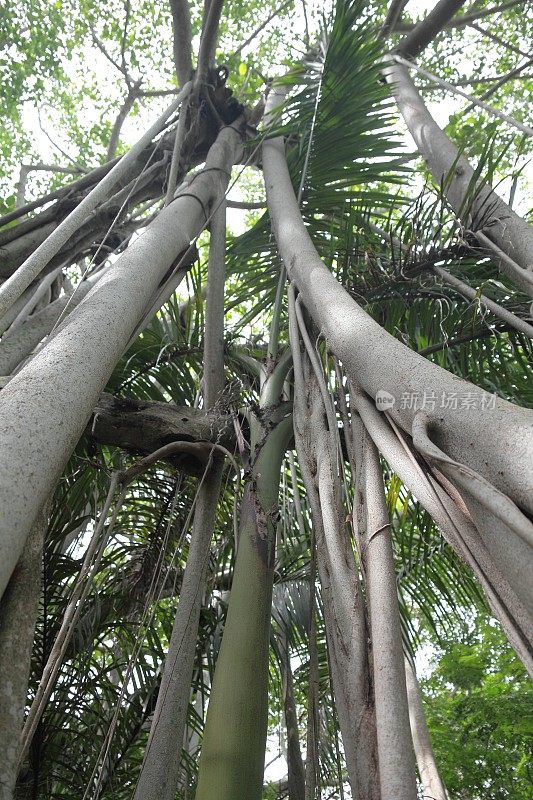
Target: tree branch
[208, 41]
[103, 49]
[394, 15]
[181, 26]
[426, 30]
[125, 109]
[466, 19]
[507, 77]
[144, 427]
[474, 101]
[261, 27]
[490, 35]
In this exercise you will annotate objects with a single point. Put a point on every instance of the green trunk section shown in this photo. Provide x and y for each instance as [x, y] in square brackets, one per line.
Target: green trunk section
[233, 750]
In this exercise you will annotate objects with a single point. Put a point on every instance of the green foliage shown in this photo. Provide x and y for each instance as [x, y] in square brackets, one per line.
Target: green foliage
[479, 708]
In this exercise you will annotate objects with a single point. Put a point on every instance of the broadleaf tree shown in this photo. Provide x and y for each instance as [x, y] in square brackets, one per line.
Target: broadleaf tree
[265, 367]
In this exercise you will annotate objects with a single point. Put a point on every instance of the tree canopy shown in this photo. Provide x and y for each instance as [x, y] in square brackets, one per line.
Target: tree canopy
[286, 484]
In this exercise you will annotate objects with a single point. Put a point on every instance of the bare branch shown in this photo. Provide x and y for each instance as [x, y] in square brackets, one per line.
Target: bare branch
[125, 109]
[246, 206]
[466, 19]
[474, 100]
[181, 26]
[394, 15]
[208, 40]
[58, 147]
[426, 30]
[103, 49]
[144, 427]
[495, 38]
[127, 8]
[263, 25]
[504, 79]
[476, 81]
[157, 92]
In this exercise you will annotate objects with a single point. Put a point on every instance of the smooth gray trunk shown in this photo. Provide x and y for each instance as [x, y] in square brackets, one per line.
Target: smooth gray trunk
[18, 344]
[395, 747]
[160, 771]
[432, 785]
[18, 615]
[45, 407]
[475, 203]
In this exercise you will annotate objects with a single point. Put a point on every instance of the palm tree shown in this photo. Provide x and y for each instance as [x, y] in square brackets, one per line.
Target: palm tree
[251, 495]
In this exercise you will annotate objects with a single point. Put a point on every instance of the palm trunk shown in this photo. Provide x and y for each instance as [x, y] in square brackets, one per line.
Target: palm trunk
[233, 751]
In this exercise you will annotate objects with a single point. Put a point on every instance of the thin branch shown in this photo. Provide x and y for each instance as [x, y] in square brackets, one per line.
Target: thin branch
[495, 38]
[101, 46]
[466, 19]
[474, 100]
[127, 7]
[488, 333]
[248, 206]
[509, 76]
[157, 92]
[473, 294]
[176, 152]
[182, 30]
[476, 81]
[57, 147]
[261, 27]
[125, 109]
[463, 288]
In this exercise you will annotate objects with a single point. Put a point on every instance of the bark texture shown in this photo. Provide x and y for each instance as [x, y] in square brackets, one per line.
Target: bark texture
[143, 427]
[45, 407]
[18, 615]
